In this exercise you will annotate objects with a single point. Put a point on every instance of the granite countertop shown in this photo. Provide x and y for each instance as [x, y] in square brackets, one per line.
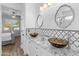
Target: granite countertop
[43, 42]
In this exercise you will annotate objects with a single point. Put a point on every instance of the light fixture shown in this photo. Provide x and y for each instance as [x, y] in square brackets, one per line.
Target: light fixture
[13, 15]
[41, 8]
[44, 7]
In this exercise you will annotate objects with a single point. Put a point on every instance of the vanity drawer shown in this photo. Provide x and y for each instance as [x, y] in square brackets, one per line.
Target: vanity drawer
[31, 48]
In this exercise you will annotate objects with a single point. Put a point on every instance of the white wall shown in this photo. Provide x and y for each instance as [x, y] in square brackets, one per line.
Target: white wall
[32, 11]
[49, 17]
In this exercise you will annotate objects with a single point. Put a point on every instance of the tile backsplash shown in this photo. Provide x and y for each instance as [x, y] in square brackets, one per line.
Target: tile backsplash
[71, 35]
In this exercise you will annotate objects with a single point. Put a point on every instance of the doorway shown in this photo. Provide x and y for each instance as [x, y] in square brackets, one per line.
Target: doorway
[11, 32]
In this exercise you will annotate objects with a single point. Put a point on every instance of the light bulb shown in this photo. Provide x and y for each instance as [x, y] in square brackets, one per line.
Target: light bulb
[45, 5]
[13, 16]
[41, 8]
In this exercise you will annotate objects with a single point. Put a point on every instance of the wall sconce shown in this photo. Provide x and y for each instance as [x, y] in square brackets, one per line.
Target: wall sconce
[41, 8]
[45, 6]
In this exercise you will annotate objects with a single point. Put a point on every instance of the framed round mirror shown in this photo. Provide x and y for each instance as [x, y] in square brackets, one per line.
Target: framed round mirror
[39, 21]
[64, 16]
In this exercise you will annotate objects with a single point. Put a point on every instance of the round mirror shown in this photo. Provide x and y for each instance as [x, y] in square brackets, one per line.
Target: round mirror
[39, 21]
[64, 16]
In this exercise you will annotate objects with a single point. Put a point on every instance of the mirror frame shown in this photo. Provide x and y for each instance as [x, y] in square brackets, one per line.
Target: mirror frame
[58, 11]
[37, 21]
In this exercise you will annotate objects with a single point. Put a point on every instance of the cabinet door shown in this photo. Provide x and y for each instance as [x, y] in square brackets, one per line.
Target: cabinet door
[35, 49]
[40, 51]
[31, 49]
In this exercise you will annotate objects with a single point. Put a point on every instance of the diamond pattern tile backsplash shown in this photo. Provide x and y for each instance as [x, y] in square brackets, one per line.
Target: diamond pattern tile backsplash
[71, 35]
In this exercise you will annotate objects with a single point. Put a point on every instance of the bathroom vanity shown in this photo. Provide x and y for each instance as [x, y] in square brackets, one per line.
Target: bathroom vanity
[39, 46]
